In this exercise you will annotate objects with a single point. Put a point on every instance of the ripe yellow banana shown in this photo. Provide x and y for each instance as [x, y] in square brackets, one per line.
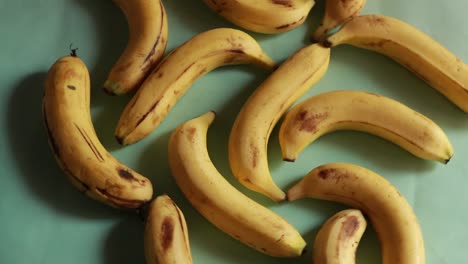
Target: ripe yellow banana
[174, 75]
[250, 133]
[77, 149]
[390, 214]
[166, 234]
[220, 202]
[147, 41]
[337, 12]
[366, 112]
[263, 16]
[410, 47]
[338, 238]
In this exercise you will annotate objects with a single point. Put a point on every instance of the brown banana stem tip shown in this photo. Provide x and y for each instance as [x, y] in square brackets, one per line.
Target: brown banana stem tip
[73, 51]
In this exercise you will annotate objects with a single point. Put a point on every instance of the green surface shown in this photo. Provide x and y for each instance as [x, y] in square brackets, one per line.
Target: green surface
[43, 218]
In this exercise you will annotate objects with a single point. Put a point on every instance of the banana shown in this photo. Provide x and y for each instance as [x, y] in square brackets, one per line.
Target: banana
[337, 12]
[338, 238]
[263, 16]
[362, 111]
[174, 75]
[166, 238]
[147, 21]
[250, 133]
[220, 202]
[77, 149]
[410, 47]
[390, 214]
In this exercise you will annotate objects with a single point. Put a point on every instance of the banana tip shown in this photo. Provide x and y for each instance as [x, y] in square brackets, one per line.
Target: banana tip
[120, 139]
[110, 87]
[109, 92]
[289, 159]
[447, 160]
[326, 44]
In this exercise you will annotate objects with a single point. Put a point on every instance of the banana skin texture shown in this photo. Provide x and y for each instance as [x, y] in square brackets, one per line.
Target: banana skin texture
[366, 112]
[411, 48]
[221, 203]
[148, 32]
[263, 16]
[249, 136]
[178, 70]
[337, 12]
[166, 239]
[338, 238]
[77, 149]
[390, 214]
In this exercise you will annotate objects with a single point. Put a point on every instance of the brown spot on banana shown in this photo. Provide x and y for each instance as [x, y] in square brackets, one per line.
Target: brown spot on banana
[254, 151]
[334, 175]
[71, 87]
[349, 227]
[290, 24]
[310, 123]
[143, 117]
[125, 174]
[90, 143]
[191, 134]
[285, 3]
[149, 59]
[118, 201]
[167, 233]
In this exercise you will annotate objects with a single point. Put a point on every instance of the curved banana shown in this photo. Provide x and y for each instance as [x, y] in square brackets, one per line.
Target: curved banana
[338, 238]
[166, 234]
[337, 12]
[220, 202]
[77, 149]
[263, 16]
[147, 21]
[390, 214]
[366, 112]
[174, 75]
[250, 133]
[410, 47]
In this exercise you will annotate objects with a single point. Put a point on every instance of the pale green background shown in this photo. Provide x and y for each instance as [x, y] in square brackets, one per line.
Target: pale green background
[44, 220]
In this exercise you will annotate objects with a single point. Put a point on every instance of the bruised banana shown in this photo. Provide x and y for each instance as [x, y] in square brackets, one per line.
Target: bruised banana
[337, 12]
[410, 47]
[175, 74]
[147, 41]
[264, 16]
[166, 234]
[366, 112]
[338, 238]
[77, 149]
[220, 202]
[250, 133]
[390, 214]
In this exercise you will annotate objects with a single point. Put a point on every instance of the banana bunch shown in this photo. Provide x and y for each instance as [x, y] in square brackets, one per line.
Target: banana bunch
[338, 238]
[221, 203]
[178, 70]
[390, 214]
[75, 145]
[367, 112]
[166, 238]
[160, 83]
[263, 16]
[147, 21]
